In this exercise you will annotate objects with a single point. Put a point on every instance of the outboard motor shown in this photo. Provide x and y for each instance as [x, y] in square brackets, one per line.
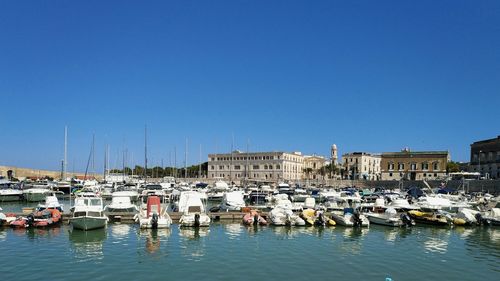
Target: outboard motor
[320, 220]
[30, 220]
[357, 220]
[479, 219]
[154, 221]
[407, 220]
[197, 220]
[256, 219]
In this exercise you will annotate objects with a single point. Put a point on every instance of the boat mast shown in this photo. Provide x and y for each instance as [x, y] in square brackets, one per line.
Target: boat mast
[185, 160]
[65, 165]
[199, 165]
[146, 153]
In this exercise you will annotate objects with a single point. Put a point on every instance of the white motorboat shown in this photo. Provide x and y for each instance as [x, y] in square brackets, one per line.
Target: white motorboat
[51, 202]
[216, 193]
[10, 194]
[154, 216]
[88, 213]
[402, 204]
[390, 218]
[121, 204]
[36, 194]
[232, 201]
[192, 209]
[282, 215]
[132, 194]
[350, 218]
[492, 217]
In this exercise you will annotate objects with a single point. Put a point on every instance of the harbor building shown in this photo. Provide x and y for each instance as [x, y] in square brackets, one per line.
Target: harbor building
[361, 165]
[414, 165]
[259, 166]
[314, 167]
[485, 158]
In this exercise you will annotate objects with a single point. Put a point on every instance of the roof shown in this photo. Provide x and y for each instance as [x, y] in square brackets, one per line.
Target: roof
[416, 153]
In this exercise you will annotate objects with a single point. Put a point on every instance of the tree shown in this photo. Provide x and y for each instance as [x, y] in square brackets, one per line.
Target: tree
[308, 172]
[452, 167]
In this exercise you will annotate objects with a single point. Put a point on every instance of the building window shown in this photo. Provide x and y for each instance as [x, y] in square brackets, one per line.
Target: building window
[435, 166]
[278, 167]
[413, 166]
[391, 166]
[255, 167]
[270, 167]
[401, 166]
[237, 167]
[435, 175]
[425, 166]
[212, 167]
[221, 167]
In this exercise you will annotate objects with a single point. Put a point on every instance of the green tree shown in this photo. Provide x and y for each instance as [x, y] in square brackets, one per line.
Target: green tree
[452, 167]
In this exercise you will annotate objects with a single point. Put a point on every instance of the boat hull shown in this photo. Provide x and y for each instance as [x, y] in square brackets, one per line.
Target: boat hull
[10, 197]
[35, 197]
[88, 223]
[380, 220]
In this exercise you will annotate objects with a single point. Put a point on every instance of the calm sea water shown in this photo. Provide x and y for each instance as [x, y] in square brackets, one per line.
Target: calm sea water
[231, 251]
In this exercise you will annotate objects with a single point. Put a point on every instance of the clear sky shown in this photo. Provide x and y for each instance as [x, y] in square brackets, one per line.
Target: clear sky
[281, 75]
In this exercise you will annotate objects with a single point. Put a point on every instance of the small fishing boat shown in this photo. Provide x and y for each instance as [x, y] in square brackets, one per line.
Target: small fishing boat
[253, 218]
[45, 218]
[9, 194]
[350, 217]
[390, 217]
[232, 201]
[154, 216]
[6, 219]
[283, 215]
[317, 218]
[492, 217]
[434, 218]
[88, 213]
[121, 205]
[51, 202]
[192, 209]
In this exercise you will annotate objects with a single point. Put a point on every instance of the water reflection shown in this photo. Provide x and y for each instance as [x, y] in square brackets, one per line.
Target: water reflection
[193, 233]
[437, 241]
[192, 242]
[35, 233]
[154, 237]
[233, 230]
[352, 240]
[392, 234]
[120, 230]
[87, 245]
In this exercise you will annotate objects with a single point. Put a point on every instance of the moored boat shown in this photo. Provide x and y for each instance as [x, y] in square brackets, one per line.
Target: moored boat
[154, 216]
[88, 213]
[253, 218]
[390, 218]
[47, 217]
[433, 218]
[350, 217]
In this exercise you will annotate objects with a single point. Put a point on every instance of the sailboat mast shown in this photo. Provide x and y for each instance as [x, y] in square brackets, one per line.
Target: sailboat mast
[65, 152]
[185, 160]
[146, 153]
[199, 165]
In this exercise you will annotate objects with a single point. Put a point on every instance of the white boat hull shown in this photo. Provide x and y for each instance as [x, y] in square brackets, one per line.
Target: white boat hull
[88, 223]
[189, 220]
[348, 220]
[384, 220]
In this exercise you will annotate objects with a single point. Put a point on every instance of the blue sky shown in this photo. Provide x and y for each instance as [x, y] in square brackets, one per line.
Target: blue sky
[282, 75]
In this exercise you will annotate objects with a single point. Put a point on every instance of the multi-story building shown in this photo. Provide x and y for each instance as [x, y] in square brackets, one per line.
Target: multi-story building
[414, 165]
[314, 167]
[270, 166]
[361, 165]
[485, 158]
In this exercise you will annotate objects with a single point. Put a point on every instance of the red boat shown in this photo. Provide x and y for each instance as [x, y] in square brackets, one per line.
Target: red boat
[253, 218]
[47, 217]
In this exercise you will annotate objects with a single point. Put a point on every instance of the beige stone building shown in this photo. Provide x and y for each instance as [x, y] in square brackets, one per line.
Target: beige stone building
[314, 167]
[361, 165]
[260, 166]
[414, 165]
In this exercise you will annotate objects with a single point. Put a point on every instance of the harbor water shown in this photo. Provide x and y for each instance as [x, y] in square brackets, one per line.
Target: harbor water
[231, 251]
